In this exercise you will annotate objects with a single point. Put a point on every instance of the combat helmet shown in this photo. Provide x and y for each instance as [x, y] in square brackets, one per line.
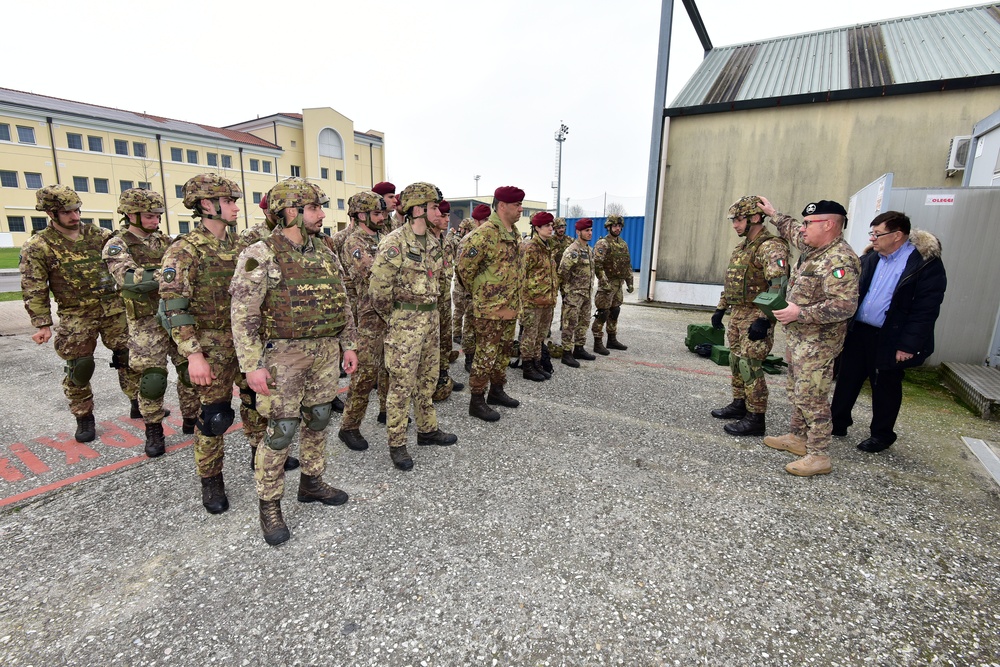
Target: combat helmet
[57, 198]
[745, 207]
[614, 220]
[559, 223]
[297, 193]
[209, 186]
[419, 194]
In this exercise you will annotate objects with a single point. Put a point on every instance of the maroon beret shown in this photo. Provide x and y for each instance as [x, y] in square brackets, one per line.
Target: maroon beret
[509, 194]
[541, 219]
[481, 212]
[444, 207]
[384, 188]
[584, 223]
[263, 203]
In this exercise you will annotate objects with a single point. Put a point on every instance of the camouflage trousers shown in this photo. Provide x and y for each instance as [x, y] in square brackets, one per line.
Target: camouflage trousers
[493, 346]
[460, 301]
[306, 373]
[76, 337]
[149, 346]
[610, 300]
[753, 391]
[411, 358]
[371, 367]
[535, 323]
[444, 345]
[810, 376]
[574, 318]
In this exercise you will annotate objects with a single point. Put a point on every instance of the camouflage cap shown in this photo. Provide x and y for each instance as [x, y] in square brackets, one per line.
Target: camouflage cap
[559, 223]
[418, 194]
[57, 198]
[294, 191]
[614, 220]
[208, 186]
[745, 207]
[137, 200]
[365, 202]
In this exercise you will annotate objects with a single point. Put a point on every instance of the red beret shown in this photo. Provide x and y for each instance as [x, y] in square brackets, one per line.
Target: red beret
[263, 203]
[481, 212]
[444, 207]
[541, 219]
[509, 194]
[584, 223]
[384, 188]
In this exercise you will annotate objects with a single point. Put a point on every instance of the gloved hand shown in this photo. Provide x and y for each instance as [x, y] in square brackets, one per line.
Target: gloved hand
[629, 288]
[717, 318]
[758, 330]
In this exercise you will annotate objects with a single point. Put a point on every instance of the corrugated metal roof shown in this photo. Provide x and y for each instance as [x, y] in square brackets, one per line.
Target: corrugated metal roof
[953, 45]
[50, 105]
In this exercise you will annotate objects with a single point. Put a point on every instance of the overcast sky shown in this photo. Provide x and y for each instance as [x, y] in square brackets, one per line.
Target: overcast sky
[460, 88]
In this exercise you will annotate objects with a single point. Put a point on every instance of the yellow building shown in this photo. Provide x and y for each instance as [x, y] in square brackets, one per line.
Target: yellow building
[99, 152]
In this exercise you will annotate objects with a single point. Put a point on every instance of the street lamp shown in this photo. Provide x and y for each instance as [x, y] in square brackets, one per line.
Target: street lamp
[560, 138]
[477, 185]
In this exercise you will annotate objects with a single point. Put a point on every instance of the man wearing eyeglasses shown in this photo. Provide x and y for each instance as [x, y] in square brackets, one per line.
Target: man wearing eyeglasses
[901, 289]
[822, 296]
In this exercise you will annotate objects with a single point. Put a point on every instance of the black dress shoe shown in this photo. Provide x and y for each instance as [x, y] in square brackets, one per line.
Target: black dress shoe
[873, 445]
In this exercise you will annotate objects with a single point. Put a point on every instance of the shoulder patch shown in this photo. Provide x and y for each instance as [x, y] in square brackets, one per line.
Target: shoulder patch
[392, 252]
[114, 250]
[168, 275]
[251, 264]
[781, 263]
[356, 254]
[839, 273]
[472, 252]
[573, 254]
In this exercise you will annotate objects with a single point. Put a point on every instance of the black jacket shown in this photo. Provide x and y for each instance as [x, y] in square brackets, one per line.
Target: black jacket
[915, 304]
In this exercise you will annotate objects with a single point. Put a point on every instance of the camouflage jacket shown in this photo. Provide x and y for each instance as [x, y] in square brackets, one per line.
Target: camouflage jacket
[539, 277]
[405, 271]
[72, 270]
[576, 271]
[489, 267]
[612, 263]
[336, 243]
[449, 250]
[356, 256]
[258, 232]
[559, 245]
[394, 221]
[126, 252]
[751, 267]
[281, 290]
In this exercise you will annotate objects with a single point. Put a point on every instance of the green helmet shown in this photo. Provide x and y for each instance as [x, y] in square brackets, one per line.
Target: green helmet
[419, 194]
[208, 186]
[365, 202]
[745, 207]
[57, 198]
[294, 192]
[137, 200]
[559, 223]
[613, 220]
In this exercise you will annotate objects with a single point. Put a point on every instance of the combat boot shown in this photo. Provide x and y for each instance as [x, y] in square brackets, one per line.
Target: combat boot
[497, 396]
[599, 345]
[735, 410]
[272, 524]
[314, 489]
[353, 439]
[580, 352]
[613, 342]
[530, 371]
[338, 405]
[155, 446]
[456, 385]
[187, 427]
[469, 356]
[436, 437]
[751, 424]
[569, 359]
[213, 494]
[452, 356]
[809, 465]
[479, 409]
[789, 442]
[86, 428]
[401, 458]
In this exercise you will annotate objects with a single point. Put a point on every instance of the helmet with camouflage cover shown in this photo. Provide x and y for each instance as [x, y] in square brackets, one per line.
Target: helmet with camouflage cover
[746, 207]
[365, 202]
[419, 194]
[297, 193]
[209, 186]
[559, 223]
[137, 200]
[614, 220]
[57, 198]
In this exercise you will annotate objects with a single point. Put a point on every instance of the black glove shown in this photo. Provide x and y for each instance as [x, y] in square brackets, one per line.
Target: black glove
[758, 330]
[717, 318]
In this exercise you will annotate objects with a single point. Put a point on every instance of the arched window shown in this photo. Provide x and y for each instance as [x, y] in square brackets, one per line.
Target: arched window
[330, 144]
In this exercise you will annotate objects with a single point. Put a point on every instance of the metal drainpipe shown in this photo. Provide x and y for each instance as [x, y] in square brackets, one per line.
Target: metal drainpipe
[55, 156]
[243, 184]
[163, 182]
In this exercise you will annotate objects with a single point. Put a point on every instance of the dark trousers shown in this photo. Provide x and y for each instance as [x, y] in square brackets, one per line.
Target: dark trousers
[857, 364]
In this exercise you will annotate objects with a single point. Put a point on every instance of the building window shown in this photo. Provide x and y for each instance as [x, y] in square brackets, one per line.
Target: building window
[267, 166]
[15, 223]
[326, 204]
[212, 159]
[340, 204]
[179, 191]
[296, 171]
[145, 185]
[356, 157]
[8, 179]
[101, 185]
[183, 227]
[4, 132]
[25, 135]
[227, 161]
[328, 231]
[138, 149]
[324, 173]
[340, 174]
[95, 144]
[39, 223]
[81, 184]
[254, 164]
[293, 143]
[32, 180]
[176, 155]
[257, 196]
[121, 147]
[107, 223]
[86, 221]
[330, 144]
[192, 156]
[124, 185]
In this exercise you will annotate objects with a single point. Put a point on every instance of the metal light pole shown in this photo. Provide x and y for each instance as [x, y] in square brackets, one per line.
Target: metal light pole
[560, 138]
[477, 185]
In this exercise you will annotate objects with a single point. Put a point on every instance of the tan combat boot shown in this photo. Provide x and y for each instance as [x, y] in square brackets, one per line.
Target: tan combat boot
[810, 465]
[789, 442]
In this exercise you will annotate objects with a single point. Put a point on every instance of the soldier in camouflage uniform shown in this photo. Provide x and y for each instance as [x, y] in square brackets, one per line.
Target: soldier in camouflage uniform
[559, 240]
[445, 384]
[758, 264]
[612, 266]
[576, 283]
[368, 210]
[461, 322]
[403, 289]
[490, 267]
[134, 258]
[397, 217]
[65, 258]
[539, 287]
[291, 319]
[822, 297]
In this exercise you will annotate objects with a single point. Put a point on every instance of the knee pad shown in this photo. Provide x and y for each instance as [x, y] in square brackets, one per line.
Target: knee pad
[248, 397]
[601, 315]
[182, 374]
[280, 433]
[119, 358]
[216, 418]
[153, 383]
[615, 312]
[734, 364]
[751, 369]
[79, 371]
[316, 417]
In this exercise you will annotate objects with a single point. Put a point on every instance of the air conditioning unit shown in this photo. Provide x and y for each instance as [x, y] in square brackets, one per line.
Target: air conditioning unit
[958, 153]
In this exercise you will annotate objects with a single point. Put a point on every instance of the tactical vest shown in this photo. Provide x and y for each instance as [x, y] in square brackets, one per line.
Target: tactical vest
[148, 254]
[617, 262]
[79, 278]
[309, 301]
[744, 278]
[210, 287]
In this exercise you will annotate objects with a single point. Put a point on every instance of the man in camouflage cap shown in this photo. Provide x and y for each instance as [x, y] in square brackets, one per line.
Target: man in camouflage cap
[65, 258]
[489, 266]
[461, 323]
[612, 266]
[538, 294]
[759, 263]
[576, 283]
[291, 319]
[559, 239]
[134, 258]
[404, 289]
[438, 228]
